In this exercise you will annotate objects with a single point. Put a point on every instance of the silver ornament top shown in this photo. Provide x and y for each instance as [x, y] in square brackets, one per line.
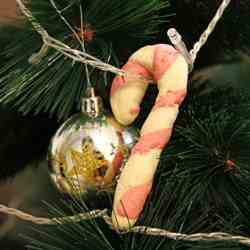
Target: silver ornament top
[92, 105]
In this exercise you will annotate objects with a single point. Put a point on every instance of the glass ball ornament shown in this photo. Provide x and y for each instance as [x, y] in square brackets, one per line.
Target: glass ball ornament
[89, 150]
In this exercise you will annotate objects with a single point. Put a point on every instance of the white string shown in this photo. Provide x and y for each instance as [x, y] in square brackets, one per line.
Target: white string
[176, 38]
[87, 59]
[150, 231]
[75, 55]
[205, 35]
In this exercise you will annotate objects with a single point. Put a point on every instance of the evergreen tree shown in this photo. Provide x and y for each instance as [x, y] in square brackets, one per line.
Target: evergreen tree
[202, 183]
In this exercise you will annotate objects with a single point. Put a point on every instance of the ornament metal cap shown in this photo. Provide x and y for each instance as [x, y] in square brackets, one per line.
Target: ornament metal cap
[92, 104]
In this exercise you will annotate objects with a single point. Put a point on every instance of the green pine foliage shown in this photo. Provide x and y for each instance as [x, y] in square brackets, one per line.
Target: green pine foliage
[169, 207]
[23, 139]
[112, 28]
[202, 183]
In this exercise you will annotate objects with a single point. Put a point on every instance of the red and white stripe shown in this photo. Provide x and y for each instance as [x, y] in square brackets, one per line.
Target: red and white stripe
[168, 68]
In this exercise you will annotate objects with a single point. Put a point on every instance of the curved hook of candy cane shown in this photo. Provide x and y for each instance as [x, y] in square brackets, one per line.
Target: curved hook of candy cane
[166, 66]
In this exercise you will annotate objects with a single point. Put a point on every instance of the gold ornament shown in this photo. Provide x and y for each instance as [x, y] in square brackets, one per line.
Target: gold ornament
[89, 150]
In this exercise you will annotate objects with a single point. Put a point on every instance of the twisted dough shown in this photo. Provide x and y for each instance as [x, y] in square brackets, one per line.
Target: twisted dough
[166, 66]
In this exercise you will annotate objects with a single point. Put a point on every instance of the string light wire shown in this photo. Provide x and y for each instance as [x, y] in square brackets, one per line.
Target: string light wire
[87, 59]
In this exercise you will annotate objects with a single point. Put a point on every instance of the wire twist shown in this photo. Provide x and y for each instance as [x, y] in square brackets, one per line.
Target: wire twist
[54, 221]
[205, 35]
[83, 57]
[87, 59]
[150, 231]
[176, 38]
[76, 55]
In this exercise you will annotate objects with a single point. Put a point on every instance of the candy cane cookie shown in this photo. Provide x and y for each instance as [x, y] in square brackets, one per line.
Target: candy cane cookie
[167, 67]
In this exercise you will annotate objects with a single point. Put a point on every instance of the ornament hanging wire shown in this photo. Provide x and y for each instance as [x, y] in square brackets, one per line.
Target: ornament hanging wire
[87, 59]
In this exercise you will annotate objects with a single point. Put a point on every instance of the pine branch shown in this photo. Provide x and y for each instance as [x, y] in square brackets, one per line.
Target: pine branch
[202, 184]
[56, 84]
[180, 216]
[210, 145]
